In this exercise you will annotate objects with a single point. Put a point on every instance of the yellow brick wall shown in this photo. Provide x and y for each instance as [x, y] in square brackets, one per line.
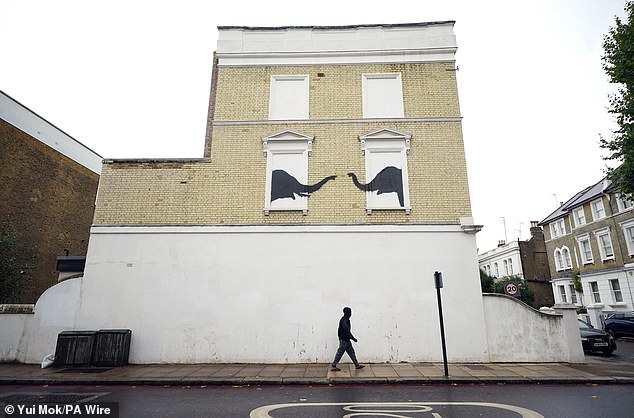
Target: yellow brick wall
[229, 189]
[429, 90]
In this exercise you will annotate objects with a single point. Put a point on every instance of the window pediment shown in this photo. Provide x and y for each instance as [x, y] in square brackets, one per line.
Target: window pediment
[287, 140]
[385, 138]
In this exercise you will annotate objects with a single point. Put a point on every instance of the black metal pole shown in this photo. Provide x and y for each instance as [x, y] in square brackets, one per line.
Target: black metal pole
[442, 323]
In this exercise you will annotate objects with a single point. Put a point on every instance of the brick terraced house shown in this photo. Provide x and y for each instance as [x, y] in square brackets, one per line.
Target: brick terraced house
[590, 240]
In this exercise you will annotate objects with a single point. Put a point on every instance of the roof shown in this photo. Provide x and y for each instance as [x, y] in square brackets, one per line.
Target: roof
[585, 195]
[386, 25]
[24, 119]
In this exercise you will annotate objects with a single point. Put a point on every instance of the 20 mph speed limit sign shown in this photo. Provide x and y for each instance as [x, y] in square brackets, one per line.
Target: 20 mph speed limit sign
[512, 289]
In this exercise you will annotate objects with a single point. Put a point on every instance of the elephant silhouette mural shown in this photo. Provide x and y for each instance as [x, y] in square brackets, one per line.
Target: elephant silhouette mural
[284, 185]
[388, 180]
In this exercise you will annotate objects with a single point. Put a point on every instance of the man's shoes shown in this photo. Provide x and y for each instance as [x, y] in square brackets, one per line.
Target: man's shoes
[335, 369]
[359, 366]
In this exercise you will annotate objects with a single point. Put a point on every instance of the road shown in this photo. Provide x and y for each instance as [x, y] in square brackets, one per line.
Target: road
[399, 401]
[340, 401]
[624, 353]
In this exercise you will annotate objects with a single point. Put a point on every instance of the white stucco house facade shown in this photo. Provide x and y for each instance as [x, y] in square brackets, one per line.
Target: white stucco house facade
[502, 261]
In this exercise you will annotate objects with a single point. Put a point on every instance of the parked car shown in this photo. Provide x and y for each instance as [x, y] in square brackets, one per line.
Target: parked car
[620, 324]
[593, 339]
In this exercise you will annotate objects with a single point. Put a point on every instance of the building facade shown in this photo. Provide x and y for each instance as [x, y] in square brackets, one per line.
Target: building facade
[333, 175]
[48, 187]
[590, 244]
[503, 261]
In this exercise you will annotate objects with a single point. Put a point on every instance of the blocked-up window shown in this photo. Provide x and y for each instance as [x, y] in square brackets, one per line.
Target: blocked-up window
[386, 174]
[286, 171]
[289, 97]
[382, 95]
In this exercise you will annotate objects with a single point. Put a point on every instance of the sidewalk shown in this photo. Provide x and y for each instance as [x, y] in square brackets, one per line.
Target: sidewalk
[320, 374]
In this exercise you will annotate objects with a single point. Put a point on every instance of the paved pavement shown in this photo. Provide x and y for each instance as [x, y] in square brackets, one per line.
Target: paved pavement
[593, 371]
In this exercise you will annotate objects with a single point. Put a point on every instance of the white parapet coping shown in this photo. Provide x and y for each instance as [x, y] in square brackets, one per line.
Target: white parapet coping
[312, 45]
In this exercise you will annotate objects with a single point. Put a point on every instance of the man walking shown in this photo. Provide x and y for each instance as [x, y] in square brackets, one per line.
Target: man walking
[345, 345]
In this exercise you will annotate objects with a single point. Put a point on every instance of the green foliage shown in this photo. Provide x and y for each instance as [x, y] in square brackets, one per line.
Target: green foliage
[618, 63]
[13, 284]
[492, 285]
[577, 282]
[487, 282]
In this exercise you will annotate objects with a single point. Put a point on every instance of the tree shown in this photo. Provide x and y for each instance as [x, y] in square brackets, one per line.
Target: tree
[618, 63]
[487, 282]
[493, 285]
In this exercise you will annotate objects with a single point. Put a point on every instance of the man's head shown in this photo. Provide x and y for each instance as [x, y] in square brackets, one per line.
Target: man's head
[347, 312]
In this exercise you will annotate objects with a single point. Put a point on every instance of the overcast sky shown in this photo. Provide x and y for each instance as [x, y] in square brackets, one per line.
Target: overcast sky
[131, 79]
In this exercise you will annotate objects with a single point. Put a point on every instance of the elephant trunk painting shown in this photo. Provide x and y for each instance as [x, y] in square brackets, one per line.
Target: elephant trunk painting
[388, 180]
[284, 185]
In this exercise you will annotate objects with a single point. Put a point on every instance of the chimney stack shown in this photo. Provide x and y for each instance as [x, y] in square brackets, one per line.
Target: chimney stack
[501, 243]
[536, 230]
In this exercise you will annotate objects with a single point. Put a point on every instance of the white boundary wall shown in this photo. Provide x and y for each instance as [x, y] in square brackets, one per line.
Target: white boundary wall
[518, 333]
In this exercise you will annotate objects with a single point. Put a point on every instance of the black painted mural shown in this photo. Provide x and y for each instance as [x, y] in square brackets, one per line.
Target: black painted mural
[388, 180]
[284, 185]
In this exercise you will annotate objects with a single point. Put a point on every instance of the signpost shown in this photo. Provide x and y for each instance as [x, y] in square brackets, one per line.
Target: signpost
[439, 284]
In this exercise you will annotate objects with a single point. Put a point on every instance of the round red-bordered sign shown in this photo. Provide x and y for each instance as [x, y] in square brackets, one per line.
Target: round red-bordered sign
[511, 289]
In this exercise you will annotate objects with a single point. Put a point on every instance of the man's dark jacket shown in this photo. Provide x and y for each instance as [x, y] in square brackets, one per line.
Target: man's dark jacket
[344, 329]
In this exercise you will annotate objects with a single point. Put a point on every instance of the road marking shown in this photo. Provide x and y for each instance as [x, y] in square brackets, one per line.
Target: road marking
[373, 408]
[365, 409]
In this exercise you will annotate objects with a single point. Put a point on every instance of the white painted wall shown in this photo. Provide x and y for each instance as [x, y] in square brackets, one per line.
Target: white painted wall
[13, 342]
[275, 294]
[518, 333]
[29, 337]
[203, 294]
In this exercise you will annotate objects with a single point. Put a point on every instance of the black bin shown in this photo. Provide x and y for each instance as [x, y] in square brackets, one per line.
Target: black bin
[74, 348]
[111, 347]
